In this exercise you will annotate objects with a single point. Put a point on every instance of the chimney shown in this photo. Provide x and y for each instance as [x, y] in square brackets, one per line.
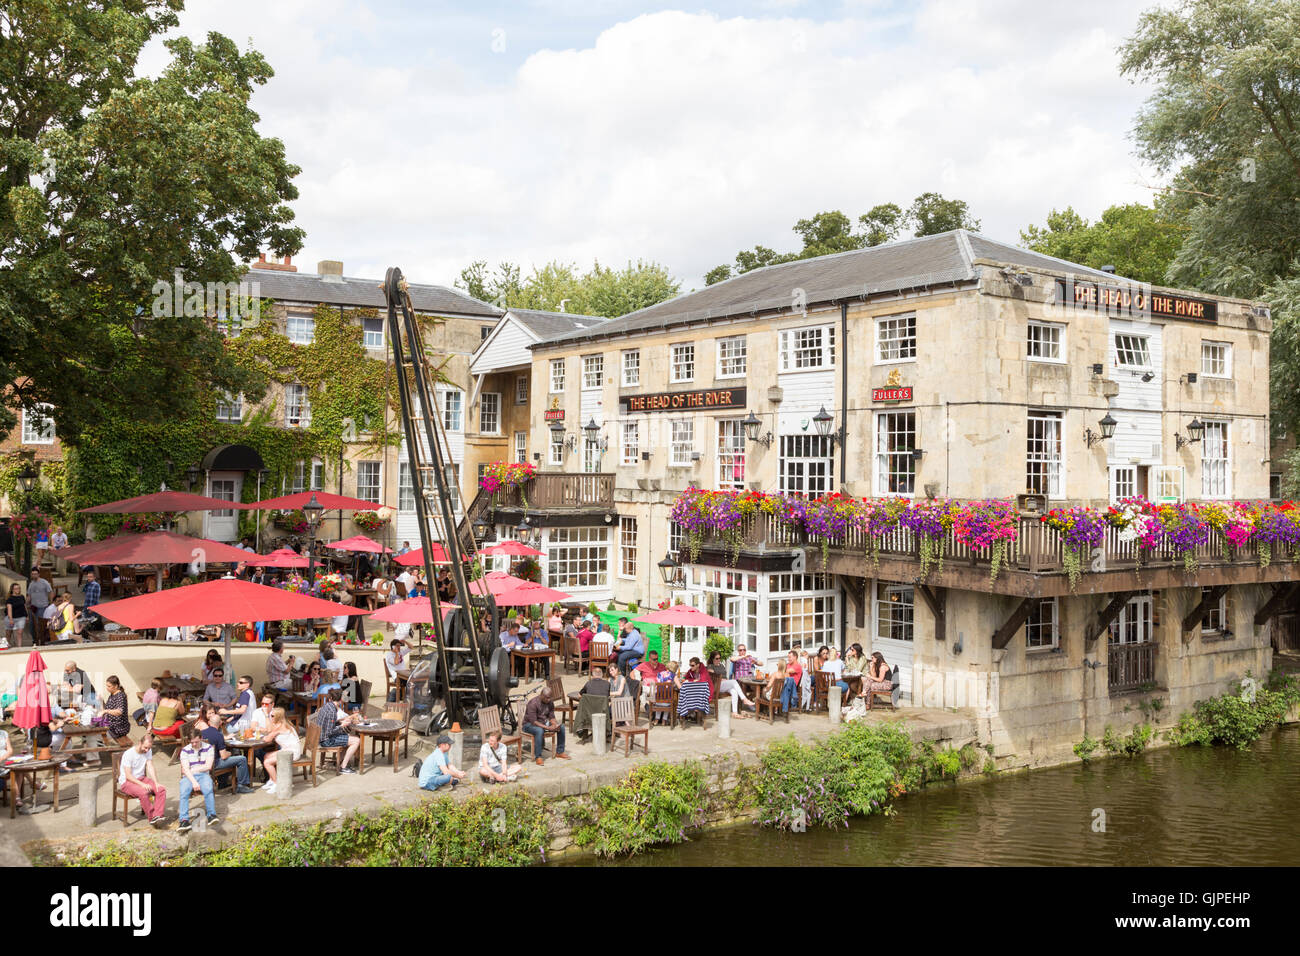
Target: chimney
[285, 266]
[1109, 269]
[331, 270]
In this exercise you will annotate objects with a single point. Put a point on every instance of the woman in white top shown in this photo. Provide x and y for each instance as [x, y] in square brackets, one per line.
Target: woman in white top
[835, 667]
[285, 737]
[493, 762]
[383, 590]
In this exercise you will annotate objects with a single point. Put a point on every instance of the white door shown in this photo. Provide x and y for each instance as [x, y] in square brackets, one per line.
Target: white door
[1133, 626]
[1167, 483]
[228, 486]
[892, 618]
[742, 612]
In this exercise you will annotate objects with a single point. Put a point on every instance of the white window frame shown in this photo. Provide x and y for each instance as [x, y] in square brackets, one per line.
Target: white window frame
[627, 547]
[297, 397]
[557, 375]
[405, 488]
[1052, 466]
[1045, 342]
[38, 432]
[630, 443]
[1216, 618]
[1209, 361]
[521, 447]
[1123, 482]
[1043, 630]
[230, 409]
[898, 616]
[521, 389]
[1132, 351]
[1136, 619]
[630, 368]
[801, 608]
[730, 435]
[372, 491]
[372, 338]
[681, 362]
[317, 475]
[452, 412]
[489, 413]
[682, 442]
[895, 338]
[577, 559]
[593, 372]
[1216, 469]
[300, 327]
[555, 448]
[895, 440]
[800, 469]
[810, 348]
[732, 356]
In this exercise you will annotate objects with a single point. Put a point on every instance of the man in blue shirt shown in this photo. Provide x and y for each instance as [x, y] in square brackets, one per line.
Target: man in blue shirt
[510, 636]
[90, 593]
[437, 771]
[630, 646]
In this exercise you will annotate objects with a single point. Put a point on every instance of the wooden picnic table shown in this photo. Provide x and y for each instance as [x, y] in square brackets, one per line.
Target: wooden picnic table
[83, 731]
[530, 654]
[367, 594]
[26, 770]
[385, 729]
[249, 749]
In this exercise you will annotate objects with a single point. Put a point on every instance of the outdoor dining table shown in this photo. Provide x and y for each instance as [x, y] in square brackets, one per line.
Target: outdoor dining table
[249, 749]
[529, 655]
[84, 731]
[25, 771]
[377, 729]
[364, 594]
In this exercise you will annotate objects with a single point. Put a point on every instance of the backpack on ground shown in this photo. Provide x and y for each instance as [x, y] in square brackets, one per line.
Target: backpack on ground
[415, 768]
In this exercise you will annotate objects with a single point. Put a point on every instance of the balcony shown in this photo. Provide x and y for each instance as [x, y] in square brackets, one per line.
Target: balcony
[1131, 667]
[1033, 565]
[551, 492]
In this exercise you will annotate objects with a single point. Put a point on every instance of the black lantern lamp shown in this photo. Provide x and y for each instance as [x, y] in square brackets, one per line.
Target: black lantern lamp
[27, 478]
[752, 425]
[1107, 426]
[668, 570]
[1195, 432]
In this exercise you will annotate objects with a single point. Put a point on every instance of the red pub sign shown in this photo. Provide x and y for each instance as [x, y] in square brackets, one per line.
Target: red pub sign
[894, 393]
[685, 401]
[554, 414]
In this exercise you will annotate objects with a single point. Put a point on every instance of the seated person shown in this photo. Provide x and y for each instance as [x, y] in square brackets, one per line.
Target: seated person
[510, 636]
[493, 763]
[395, 661]
[596, 684]
[210, 664]
[219, 692]
[437, 770]
[351, 687]
[169, 718]
[76, 689]
[240, 711]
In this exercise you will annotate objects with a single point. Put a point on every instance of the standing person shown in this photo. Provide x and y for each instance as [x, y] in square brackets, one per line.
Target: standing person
[15, 616]
[806, 666]
[494, 765]
[539, 717]
[90, 596]
[437, 771]
[119, 724]
[39, 596]
[334, 728]
[137, 779]
[197, 758]
[793, 677]
[211, 663]
[281, 733]
[65, 618]
[209, 724]
[59, 540]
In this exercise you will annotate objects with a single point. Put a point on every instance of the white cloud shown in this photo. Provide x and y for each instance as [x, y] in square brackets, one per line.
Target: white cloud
[676, 136]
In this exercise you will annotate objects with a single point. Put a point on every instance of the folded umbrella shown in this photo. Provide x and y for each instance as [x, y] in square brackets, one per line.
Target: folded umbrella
[33, 707]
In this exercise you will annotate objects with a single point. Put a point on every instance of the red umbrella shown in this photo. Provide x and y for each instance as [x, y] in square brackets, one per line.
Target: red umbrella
[279, 558]
[359, 543]
[153, 547]
[683, 615]
[417, 556]
[224, 601]
[163, 501]
[510, 591]
[416, 610]
[515, 548]
[33, 707]
[324, 499]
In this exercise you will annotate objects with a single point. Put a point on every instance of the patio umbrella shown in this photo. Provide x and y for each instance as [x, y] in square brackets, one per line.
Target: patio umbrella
[417, 556]
[359, 542]
[682, 615]
[323, 498]
[33, 707]
[514, 548]
[510, 591]
[279, 558]
[417, 610]
[163, 501]
[224, 601]
[157, 548]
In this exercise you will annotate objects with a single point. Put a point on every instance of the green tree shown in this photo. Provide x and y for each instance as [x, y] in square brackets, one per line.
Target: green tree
[1134, 238]
[110, 182]
[931, 214]
[717, 274]
[826, 233]
[557, 287]
[1224, 124]
[881, 224]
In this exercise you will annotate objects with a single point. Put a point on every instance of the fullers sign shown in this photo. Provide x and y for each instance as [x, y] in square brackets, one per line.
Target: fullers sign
[686, 401]
[1133, 300]
[897, 393]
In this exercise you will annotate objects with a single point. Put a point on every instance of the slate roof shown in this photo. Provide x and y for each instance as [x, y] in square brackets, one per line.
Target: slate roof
[547, 325]
[930, 261]
[309, 287]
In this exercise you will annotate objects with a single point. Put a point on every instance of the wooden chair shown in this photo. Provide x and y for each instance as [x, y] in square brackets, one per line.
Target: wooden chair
[888, 695]
[307, 759]
[365, 694]
[821, 690]
[528, 738]
[598, 653]
[768, 698]
[664, 702]
[561, 700]
[118, 792]
[626, 726]
[489, 719]
[314, 749]
[573, 654]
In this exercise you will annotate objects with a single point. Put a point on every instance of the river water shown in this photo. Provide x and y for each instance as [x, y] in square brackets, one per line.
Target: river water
[1189, 806]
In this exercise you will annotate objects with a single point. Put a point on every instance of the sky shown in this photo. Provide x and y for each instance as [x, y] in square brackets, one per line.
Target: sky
[431, 134]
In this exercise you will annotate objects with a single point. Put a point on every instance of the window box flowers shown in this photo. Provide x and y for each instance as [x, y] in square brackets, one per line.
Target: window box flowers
[369, 521]
[506, 475]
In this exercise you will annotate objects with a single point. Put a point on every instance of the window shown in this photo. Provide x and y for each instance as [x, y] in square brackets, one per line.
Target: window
[795, 618]
[895, 440]
[1216, 618]
[896, 338]
[38, 426]
[452, 402]
[631, 367]
[373, 333]
[1134, 623]
[405, 488]
[593, 369]
[557, 375]
[733, 356]
[301, 474]
[807, 349]
[895, 609]
[483, 332]
[806, 465]
[521, 447]
[521, 389]
[577, 558]
[1045, 342]
[591, 456]
[1131, 351]
[230, 408]
[631, 444]
[1275, 486]
[1214, 460]
[297, 406]
[1216, 359]
[682, 365]
[556, 454]
[453, 487]
[731, 454]
[1042, 629]
[676, 539]
[489, 413]
[230, 325]
[683, 441]
[368, 486]
[1043, 454]
[626, 547]
[317, 475]
[301, 328]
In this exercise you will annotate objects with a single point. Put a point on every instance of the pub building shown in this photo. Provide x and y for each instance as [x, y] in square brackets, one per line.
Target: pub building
[954, 367]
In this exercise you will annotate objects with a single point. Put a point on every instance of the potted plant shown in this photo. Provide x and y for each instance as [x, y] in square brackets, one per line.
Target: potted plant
[717, 642]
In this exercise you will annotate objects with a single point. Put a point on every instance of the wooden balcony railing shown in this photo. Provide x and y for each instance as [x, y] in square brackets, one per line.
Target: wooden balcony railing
[547, 492]
[1037, 548]
[1131, 666]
